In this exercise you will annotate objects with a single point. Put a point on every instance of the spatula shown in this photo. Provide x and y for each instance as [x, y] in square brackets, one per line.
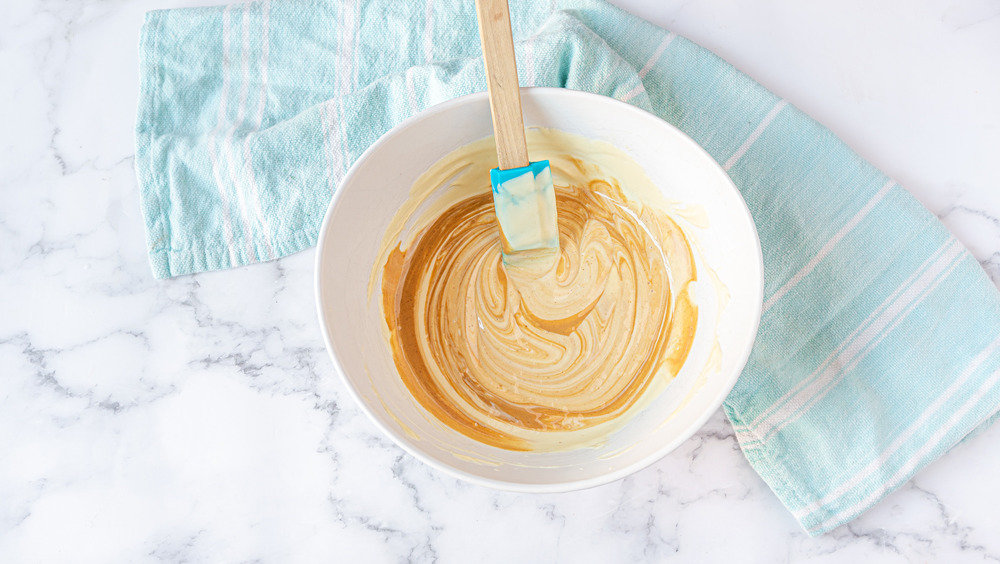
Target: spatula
[523, 195]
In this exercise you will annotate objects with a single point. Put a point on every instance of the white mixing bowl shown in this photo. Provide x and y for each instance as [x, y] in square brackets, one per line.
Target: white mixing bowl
[378, 184]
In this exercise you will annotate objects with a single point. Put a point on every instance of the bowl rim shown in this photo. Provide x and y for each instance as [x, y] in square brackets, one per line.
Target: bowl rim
[554, 487]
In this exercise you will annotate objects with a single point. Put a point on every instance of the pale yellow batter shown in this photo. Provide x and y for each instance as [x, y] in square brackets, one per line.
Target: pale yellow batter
[551, 353]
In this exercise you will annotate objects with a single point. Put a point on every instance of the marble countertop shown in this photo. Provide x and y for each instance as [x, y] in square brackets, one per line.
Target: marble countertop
[185, 421]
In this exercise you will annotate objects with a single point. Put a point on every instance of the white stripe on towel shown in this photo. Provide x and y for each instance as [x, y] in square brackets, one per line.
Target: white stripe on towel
[227, 225]
[324, 120]
[333, 115]
[905, 436]
[847, 228]
[228, 153]
[334, 141]
[265, 227]
[852, 350]
[935, 256]
[656, 55]
[411, 92]
[529, 61]
[639, 89]
[346, 38]
[756, 134]
[918, 457]
[355, 28]
[429, 31]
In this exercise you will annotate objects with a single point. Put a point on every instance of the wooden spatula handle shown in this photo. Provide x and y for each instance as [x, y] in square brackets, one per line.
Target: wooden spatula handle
[501, 80]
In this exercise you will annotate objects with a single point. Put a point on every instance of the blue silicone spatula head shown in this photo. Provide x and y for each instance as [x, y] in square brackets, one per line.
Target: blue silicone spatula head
[525, 204]
[523, 195]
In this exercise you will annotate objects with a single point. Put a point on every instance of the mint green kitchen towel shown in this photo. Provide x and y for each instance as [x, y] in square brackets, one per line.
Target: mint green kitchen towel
[879, 346]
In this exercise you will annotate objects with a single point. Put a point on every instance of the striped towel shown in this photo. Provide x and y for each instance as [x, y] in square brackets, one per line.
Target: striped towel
[879, 346]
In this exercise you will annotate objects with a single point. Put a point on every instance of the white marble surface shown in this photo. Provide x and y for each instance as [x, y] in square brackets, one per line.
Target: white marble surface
[199, 419]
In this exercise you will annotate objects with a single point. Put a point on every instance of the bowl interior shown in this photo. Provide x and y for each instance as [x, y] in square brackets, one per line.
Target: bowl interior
[379, 183]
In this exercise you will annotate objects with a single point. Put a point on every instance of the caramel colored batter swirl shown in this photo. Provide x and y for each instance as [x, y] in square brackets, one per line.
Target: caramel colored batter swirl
[509, 353]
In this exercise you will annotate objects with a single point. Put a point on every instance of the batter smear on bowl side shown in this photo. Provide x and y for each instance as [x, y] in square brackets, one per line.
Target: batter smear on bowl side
[547, 354]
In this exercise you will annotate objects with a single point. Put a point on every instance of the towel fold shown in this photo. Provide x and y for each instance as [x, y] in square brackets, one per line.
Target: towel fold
[879, 345]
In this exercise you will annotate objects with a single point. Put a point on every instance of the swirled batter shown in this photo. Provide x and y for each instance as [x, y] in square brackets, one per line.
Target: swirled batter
[546, 353]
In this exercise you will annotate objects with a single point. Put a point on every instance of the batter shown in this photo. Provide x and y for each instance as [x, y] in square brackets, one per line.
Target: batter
[550, 353]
